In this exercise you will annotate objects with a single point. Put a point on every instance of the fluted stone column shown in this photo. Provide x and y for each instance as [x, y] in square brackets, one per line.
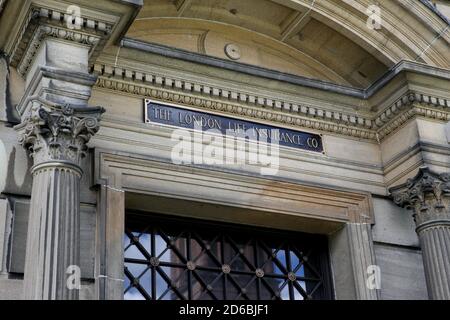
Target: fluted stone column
[53, 46]
[428, 195]
[56, 137]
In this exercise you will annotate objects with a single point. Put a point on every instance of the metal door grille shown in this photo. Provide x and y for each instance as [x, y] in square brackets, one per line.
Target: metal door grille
[169, 258]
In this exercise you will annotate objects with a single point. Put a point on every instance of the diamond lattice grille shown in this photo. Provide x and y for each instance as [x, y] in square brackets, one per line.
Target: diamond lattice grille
[168, 259]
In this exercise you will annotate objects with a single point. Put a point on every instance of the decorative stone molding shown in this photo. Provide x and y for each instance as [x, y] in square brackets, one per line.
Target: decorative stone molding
[409, 105]
[205, 96]
[50, 82]
[411, 111]
[136, 82]
[223, 187]
[56, 137]
[42, 22]
[230, 101]
[58, 133]
[304, 208]
[362, 257]
[234, 108]
[428, 195]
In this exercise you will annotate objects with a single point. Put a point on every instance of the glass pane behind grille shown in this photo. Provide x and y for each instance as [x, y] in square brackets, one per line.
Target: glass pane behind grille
[178, 259]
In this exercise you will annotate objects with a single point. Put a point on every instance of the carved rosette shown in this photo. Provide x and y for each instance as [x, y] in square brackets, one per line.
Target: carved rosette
[59, 133]
[427, 194]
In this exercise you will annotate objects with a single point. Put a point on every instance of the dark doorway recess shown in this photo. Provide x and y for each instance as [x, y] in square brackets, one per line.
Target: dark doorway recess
[170, 258]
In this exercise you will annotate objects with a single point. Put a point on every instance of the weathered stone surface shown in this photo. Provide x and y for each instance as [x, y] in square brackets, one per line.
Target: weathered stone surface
[53, 232]
[351, 255]
[402, 273]
[109, 271]
[58, 133]
[3, 165]
[341, 266]
[393, 224]
[5, 232]
[59, 74]
[20, 230]
[87, 291]
[428, 195]
[15, 164]
[15, 168]
[374, 137]
[3, 87]
[11, 289]
[447, 132]
[56, 138]
[436, 258]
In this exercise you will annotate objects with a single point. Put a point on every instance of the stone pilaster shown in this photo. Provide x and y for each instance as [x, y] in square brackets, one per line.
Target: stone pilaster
[428, 195]
[362, 258]
[56, 137]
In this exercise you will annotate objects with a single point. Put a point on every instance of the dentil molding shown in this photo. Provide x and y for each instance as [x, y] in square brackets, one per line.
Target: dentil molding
[42, 22]
[206, 96]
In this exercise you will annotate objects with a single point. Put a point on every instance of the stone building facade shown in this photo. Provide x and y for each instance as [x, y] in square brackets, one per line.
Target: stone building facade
[93, 204]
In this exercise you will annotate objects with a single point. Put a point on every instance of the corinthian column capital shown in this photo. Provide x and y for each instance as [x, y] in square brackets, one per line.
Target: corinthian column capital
[58, 133]
[427, 194]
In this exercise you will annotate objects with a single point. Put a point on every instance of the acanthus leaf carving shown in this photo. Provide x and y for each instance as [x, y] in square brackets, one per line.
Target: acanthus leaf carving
[39, 25]
[53, 132]
[427, 194]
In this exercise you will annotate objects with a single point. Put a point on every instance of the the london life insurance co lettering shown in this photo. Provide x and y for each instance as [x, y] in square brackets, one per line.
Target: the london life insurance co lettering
[156, 112]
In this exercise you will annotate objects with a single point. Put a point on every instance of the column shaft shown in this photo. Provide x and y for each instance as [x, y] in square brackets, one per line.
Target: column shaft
[435, 243]
[53, 238]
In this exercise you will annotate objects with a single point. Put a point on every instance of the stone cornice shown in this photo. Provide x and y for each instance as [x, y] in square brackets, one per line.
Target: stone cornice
[300, 115]
[55, 74]
[175, 53]
[42, 22]
[200, 95]
[408, 106]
